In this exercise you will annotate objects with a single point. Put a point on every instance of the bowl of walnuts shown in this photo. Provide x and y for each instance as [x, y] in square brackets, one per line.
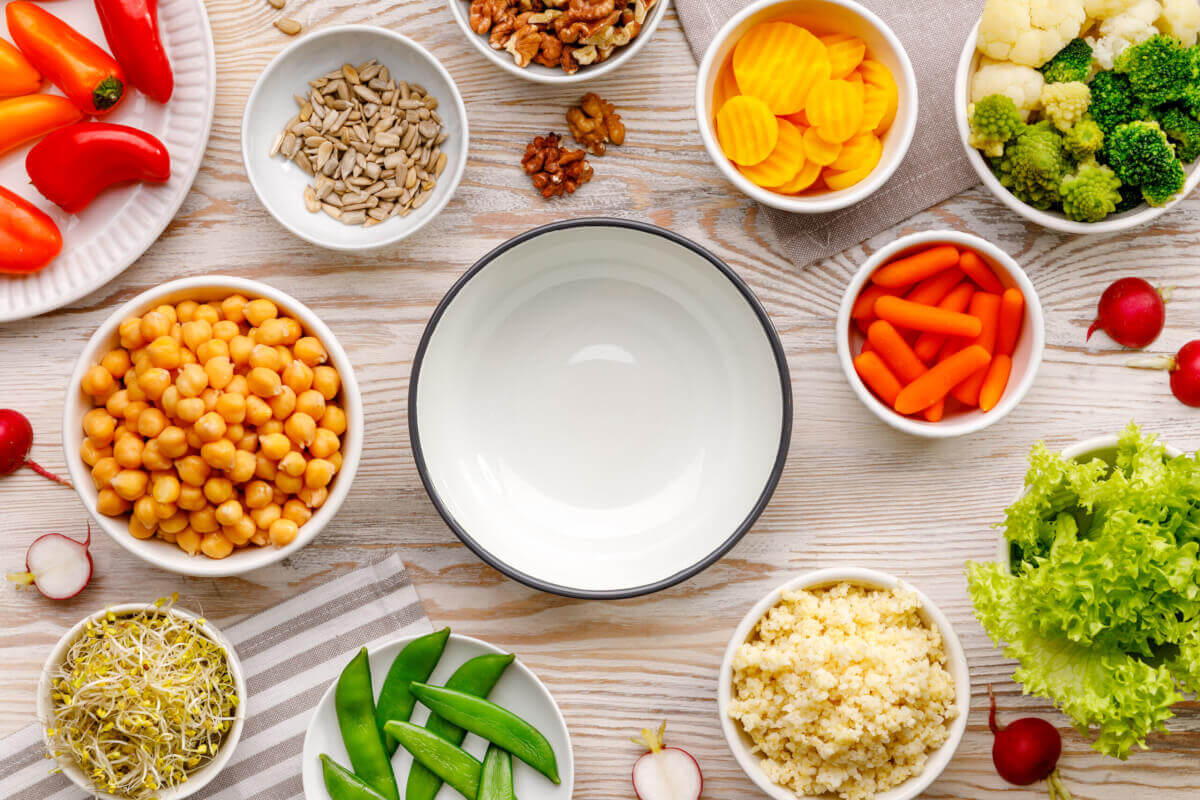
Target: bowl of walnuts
[558, 41]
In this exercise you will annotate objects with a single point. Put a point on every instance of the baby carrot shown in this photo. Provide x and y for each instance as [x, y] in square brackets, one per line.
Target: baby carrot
[979, 272]
[878, 377]
[1012, 309]
[907, 314]
[934, 289]
[928, 345]
[910, 269]
[936, 411]
[995, 382]
[986, 307]
[864, 306]
[935, 384]
[895, 352]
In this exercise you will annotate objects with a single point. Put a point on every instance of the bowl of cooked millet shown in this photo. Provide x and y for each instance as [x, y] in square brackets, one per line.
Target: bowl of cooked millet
[844, 683]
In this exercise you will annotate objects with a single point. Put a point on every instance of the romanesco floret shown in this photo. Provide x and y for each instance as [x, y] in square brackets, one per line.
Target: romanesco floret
[1065, 103]
[1159, 69]
[1083, 139]
[1140, 154]
[994, 121]
[1181, 129]
[1113, 102]
[1090, 193]
[1072, 63]
[1033, 165]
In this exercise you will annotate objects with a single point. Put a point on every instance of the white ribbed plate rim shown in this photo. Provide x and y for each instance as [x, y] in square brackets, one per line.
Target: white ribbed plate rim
[100, 242]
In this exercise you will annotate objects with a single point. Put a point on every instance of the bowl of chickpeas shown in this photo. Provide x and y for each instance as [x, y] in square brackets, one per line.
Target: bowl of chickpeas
[213, 426]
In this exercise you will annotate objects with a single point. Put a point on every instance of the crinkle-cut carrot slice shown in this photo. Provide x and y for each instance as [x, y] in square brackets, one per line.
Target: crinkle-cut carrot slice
[779, 62]
[845, 53]
[746, 130]
[818, 150]
[725, 87]
[843, 180]
[857, 151]
[879, 76]
[785, 160]
[875, 105]
[835, 108]
[805, 178]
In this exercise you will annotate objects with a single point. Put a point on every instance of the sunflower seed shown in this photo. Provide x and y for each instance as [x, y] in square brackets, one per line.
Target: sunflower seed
[288, 26]
[350, 74]
[310, 200]
[332, 211]
[354, 217]
[276, 4]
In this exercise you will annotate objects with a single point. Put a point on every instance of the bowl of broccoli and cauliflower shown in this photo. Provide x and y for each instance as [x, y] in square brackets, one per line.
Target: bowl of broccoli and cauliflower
[1083, 115]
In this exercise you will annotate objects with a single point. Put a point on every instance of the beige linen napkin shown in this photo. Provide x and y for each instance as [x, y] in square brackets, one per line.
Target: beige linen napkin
[933, 33]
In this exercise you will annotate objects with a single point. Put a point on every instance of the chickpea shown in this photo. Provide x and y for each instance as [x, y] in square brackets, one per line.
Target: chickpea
[283, 356]
[191, 498]
[143, 509]
[293, 463]
[130, 484]
[218, 490]
[283, 404]
[154, 324]
[92, 451]
[213, 348]
[297, 376]
[282, 532]
[174, 523]
[110, 504]
[172, 442]
[193, 470]
[165, 510]
[249, 442]
[133, 412]
[300, 428]
[185, 311]
[169, 312]
[225, 330]
[264, 382]
[128, 452]
[210, 427]
[312, 403]
[288, 484]
[310, 350]
[99, 425]
[327, 382]
[141, 363]
[259, 310]
[269, 427]
[138, 530]
[166, 489]
[240, 532]
[189, 409]
[151, 423]
[257, 494]
[234, 307]
[244, 464]
[264, 356]
[203, 520]
[296, 511]
[220, 454]
[186, 357]
[293, 331]
[264, 468]
[116, 402]
[133, 387]
[97, 381]
[215, 545]
[153, 458]
[263, 517]
[192, 380]
[325, 444]
[271, 332]
[240, 348]
[153, 382]
[208, 313]
[238, 385]
[103, 472]
[209, 396]
[164, 352]
[193, 439]
[229, 512]
[130, 333]
[169, 402]
[189, 541]
[196, 333]
[274, 445]
[278, 496]
[260, 538]
[220, 371]
[313, 498]
[117, 361]
[318, 473]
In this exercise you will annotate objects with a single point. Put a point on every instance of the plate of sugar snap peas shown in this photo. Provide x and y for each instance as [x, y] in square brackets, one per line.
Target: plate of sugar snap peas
[437, 716]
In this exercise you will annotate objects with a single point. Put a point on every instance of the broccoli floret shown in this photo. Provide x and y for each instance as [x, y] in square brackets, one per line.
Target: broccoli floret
[994, 121]
[1159, 69]
[1181, 129]
[1191, 101]
[1090, 193]
[1113, 102]
[1072, 63]
[1033, 165]
[1131, 198]
[1083, 139]
[1065, 103]
[1140, 154]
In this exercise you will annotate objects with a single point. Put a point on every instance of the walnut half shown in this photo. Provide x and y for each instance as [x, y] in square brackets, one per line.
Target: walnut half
[554, 169]
[595, 121]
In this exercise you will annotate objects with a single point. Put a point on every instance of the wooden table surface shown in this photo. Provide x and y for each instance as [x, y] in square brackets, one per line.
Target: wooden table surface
[855, 492]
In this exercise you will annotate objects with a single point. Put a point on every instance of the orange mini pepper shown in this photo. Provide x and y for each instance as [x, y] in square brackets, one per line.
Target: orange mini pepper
[17, 75]
[23, 119]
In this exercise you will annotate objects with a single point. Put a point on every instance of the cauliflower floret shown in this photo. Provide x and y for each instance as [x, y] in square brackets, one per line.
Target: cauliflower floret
[1103, 9]
[1136, 24]
[1022, 84]
[1181, 19]
[1065, 103]
[1028, 32]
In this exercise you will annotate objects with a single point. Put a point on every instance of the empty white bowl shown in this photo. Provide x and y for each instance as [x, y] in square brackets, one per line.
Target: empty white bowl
[1026, 359]
[280, 184]
[600, 408]
[164, 554]
[196, 780]
[843, 16]
[742, 746]
[461, 9]
[1055, 220]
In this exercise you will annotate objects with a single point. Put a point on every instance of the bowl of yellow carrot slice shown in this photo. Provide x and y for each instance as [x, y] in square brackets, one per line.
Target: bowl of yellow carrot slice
[940, 334]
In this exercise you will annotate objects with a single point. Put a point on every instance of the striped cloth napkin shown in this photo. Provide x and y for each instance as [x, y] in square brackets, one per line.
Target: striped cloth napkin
[290, 655]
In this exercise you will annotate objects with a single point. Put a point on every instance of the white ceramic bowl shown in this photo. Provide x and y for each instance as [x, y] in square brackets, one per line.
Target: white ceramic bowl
[600, 408]
[196, 780]
[169, 556]
[1026, 359]
[823, 15]
[519, 690]
[280, 184]
[1055, 220]
[539, 74]
[740, 743]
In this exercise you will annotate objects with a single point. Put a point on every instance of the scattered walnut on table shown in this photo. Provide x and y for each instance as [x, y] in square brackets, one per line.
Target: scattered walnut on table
[595, 121]
[554, 169]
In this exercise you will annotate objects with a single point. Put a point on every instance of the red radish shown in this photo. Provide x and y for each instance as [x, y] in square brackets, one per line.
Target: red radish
[16, 440]
[665, 773]
[1184, 367]
[1132, 312]
[57, 565]
[1027, 751]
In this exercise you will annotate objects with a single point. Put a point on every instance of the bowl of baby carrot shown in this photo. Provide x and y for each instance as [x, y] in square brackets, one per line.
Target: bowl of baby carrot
[940, 334]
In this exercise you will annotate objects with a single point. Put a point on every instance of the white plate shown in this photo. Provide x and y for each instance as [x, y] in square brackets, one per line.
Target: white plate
[519, 690]
[122, 223]
[600, 408]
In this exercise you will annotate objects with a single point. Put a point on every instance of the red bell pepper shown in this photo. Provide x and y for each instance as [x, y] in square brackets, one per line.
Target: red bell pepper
[74, 164]
[90, 77]
[29, 239]
[131, 28]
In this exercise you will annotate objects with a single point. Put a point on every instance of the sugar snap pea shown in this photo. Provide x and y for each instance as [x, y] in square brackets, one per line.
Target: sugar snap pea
[415, 662]
[354, 700]
[448, 761]
[498, 725]
[342, 784]
[478, 676]
[496, 781]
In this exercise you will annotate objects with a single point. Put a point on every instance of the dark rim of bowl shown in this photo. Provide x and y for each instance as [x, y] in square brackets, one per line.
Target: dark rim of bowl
[785, 389]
